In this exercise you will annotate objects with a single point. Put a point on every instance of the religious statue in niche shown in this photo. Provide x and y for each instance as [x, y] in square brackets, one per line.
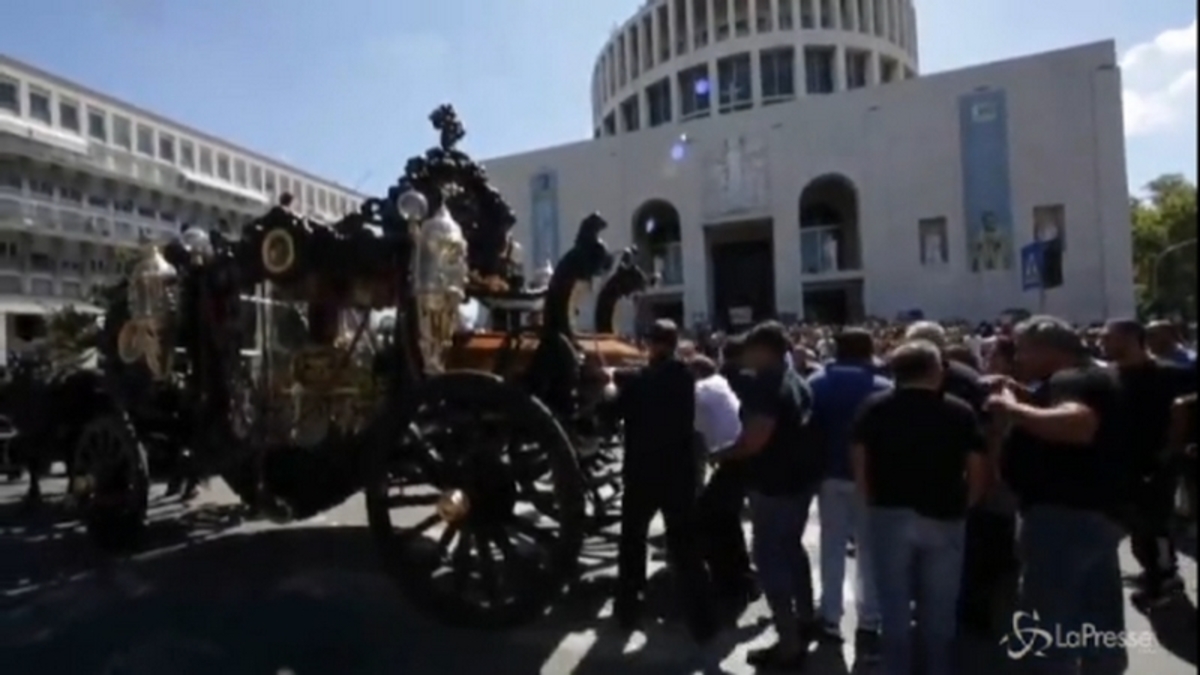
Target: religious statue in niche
[829, 253]
[935, 251]
[736, 178]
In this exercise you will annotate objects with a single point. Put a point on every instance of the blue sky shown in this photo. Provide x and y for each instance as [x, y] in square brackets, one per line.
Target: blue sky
[343, 88]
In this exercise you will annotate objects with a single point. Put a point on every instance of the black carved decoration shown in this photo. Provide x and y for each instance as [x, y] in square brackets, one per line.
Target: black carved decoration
[447, 175]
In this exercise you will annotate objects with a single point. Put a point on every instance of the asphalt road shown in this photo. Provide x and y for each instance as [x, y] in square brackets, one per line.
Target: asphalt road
[212, 594]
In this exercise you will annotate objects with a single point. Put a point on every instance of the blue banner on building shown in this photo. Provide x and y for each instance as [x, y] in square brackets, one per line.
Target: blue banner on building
[987, 190]
[544, 218]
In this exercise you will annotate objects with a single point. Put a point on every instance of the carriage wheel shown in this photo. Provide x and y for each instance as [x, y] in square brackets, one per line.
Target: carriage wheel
[110, 481]
[479, 511]
[602, 470]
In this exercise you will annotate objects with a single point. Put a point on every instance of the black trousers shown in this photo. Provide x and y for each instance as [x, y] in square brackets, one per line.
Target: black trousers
[988, 558]
[1150, 532]
[645, 496]
[723, 543]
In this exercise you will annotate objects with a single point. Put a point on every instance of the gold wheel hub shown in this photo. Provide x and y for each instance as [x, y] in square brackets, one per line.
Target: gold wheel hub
[453, 506]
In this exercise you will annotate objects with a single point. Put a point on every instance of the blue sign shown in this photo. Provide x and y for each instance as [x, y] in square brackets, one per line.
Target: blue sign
[1033, 264]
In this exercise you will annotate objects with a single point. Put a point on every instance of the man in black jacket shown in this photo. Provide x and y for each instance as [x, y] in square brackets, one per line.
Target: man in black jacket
[662, 470]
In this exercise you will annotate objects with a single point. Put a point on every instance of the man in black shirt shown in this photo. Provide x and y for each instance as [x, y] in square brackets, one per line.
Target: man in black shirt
[661, 472]
[920, 462]
[1149, 388]
[784, 473]
[1064, 460]
[990, 531]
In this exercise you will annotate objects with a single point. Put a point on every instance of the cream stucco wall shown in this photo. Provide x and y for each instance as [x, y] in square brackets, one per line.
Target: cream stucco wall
[899, 144]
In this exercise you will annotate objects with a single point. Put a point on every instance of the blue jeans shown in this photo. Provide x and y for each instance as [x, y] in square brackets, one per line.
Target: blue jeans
[843, 514]
[917, 559]
[784, 570]
[1071, 579]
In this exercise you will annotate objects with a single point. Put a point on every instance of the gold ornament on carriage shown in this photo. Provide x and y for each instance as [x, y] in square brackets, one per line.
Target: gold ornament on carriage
[152, 285]
[278, 251]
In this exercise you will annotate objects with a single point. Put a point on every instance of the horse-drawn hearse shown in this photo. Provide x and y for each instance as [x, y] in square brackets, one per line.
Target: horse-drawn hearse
[303, 363]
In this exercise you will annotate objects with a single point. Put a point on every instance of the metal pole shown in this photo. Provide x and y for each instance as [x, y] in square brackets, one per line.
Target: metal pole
[1158, 260]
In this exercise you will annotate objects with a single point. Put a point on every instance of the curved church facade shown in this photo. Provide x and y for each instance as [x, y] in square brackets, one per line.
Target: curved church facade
[927, 194]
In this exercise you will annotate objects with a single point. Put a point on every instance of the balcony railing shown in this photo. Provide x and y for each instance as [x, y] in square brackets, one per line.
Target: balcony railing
[821, 250]
[90, 156]
[668, 264]
[77, 221]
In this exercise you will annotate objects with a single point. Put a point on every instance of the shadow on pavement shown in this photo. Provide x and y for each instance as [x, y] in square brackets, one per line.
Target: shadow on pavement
[1174, 627]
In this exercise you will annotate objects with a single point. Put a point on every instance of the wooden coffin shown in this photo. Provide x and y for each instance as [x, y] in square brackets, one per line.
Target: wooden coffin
[480, 350]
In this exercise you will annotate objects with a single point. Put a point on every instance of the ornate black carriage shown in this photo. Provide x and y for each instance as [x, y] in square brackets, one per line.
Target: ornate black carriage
[315, 360]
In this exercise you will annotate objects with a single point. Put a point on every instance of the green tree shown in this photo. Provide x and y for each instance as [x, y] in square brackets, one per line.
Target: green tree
[1164, 253]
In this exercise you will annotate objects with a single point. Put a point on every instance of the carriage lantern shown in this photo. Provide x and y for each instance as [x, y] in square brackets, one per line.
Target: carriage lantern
[150, 296]
[151, 285]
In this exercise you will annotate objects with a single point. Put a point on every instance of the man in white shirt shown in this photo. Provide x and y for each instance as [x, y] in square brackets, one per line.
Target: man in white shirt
[718, 410]
[718, 426]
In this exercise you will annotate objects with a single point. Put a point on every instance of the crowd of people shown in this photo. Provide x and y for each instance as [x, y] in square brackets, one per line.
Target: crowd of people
[924, 446]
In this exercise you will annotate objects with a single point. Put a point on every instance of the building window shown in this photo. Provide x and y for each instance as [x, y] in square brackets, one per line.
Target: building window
[166, 148]
[862, 17]
[934, 249]
[658, 102]
[68, 115]
[857, 69]
[256, 177]
[778, 70]
[97, 125]
[122, 133]
[39, 106]
[310, 200]
[879, 24]
[631, 114]
[610, 124]
[239, 173]
[736, 84]
[187, 155]
[889, 70]
[846, 14]
[322, 201]
[223, 168]
[695, 92]
[818, 70]
[206, 161]
[785, 19]
[762, 21]
[285, 186]
[807, 20]
[828, 17]
[10, 96]
[269, 182]
[145, 140]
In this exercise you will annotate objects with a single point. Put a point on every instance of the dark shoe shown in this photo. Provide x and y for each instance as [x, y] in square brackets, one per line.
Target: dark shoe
[704, 631]
[627, 614]
[772, 659]
[866, 647]
[826, 633]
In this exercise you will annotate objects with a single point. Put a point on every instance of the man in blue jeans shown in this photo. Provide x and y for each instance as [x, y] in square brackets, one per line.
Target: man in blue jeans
[783, 472]
[920, 461]
[1067, 460]
[838, 392]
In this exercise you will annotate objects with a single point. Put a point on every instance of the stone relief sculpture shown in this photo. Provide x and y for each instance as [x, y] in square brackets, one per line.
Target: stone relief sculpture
[736, 178]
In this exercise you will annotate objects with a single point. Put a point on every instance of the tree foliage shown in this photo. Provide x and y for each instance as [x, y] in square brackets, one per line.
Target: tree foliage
[1164, 247]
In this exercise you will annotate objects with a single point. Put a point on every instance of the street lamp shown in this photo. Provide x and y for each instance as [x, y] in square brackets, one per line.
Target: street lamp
[1158, 261]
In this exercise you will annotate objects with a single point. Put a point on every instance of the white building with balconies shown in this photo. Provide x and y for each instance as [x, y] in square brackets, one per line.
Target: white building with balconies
[83, 175]
[784, 158]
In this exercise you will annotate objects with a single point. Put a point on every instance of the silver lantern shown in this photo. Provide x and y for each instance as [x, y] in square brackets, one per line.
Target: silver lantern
[152, 287]
[441, 280]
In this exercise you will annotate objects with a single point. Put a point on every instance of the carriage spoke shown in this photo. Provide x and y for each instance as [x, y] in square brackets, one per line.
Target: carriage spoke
[487, 566]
